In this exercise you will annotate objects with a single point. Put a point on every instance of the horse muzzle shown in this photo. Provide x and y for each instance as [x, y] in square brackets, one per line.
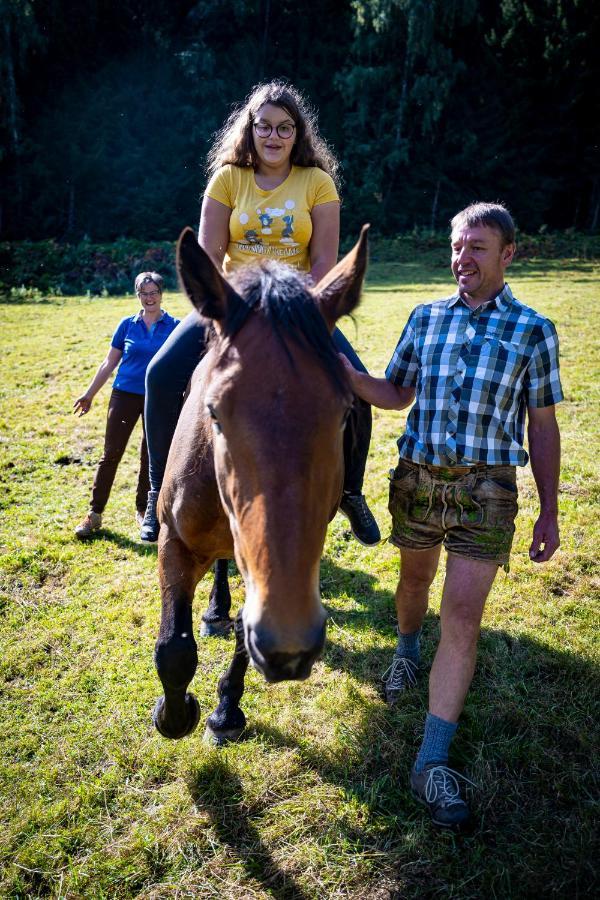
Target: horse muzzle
[277, 660]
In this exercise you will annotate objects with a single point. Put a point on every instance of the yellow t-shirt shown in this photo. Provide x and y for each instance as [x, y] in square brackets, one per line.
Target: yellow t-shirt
[270, 224]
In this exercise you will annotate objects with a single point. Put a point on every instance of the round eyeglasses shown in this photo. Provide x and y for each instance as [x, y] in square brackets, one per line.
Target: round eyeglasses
[284, 131]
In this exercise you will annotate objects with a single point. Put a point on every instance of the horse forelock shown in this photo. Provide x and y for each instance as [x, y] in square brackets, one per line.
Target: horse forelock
[282, 297]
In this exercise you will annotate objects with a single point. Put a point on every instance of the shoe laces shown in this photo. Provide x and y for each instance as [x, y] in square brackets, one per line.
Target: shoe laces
[442, 786]
[151, 507]
[402, 670]
[361, 509]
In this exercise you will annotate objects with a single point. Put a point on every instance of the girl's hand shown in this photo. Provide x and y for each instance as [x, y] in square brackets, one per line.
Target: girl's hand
[82, 405]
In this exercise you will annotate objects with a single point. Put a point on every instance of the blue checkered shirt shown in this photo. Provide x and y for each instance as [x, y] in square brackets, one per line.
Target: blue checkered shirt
[474, 372]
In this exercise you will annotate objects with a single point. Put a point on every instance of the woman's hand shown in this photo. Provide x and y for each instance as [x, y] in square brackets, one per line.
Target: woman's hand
[82, 405]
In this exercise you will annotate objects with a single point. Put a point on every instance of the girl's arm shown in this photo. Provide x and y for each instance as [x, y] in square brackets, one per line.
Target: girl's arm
[214, 229]
[325, 240]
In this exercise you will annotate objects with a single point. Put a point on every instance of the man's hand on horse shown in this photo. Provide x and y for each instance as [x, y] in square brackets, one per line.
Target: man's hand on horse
[351, 372]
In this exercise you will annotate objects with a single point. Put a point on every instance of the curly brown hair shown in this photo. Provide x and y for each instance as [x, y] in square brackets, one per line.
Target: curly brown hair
[234, 145]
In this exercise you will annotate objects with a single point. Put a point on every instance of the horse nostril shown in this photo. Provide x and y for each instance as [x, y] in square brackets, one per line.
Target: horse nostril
[276, 662]
[256, 647]
[288, 667]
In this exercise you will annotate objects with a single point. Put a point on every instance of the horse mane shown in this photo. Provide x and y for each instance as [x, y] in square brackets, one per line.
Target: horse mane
[282, 296]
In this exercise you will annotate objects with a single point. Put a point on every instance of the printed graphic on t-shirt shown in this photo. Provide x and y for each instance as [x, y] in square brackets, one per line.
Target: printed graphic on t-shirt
[270, 221]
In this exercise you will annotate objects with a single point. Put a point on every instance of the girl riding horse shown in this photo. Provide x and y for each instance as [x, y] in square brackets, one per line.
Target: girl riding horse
[268, 156]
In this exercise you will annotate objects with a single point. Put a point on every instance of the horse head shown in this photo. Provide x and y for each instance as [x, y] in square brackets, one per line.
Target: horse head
[278, 399]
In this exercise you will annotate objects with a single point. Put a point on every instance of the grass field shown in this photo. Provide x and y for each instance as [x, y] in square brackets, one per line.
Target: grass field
[314, 801]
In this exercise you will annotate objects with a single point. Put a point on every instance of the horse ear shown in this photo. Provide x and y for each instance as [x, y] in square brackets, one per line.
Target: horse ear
[338, 292]
[200, 279]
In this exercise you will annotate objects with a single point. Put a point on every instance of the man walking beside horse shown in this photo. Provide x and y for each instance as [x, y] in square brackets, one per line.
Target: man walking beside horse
[473, 364]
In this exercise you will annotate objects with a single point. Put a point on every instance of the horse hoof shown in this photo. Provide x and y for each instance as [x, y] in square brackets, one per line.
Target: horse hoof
[193, 712]
[218, 628]
[221, 738]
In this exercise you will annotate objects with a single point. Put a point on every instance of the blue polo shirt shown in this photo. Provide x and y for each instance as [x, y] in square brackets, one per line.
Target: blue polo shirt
[139, 343]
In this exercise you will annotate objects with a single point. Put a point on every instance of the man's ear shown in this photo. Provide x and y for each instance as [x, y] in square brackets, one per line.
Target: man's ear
[338, 292]
[204, 285]
[508, 254]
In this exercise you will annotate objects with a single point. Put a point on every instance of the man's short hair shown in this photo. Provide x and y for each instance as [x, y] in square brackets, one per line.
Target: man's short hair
[149, 278]
[494, 215]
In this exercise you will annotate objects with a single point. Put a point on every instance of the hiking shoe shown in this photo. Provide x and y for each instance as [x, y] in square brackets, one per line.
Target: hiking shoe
[362, 521]
[90, 524]
[438, 789]
[150, 526]
[402, 674]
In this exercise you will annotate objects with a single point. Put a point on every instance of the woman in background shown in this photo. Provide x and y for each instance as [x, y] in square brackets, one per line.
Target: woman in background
[133, 345]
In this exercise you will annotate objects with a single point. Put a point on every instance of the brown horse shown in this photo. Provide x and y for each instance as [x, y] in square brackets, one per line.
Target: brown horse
[255, 470]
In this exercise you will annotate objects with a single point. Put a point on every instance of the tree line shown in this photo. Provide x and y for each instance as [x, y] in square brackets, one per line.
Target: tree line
[109, 108]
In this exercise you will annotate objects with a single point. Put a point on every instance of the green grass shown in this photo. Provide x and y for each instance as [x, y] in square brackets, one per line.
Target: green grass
[314, 802]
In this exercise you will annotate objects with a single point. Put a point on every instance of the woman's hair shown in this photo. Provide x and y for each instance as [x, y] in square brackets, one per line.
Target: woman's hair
[149, 278]
[233, 144]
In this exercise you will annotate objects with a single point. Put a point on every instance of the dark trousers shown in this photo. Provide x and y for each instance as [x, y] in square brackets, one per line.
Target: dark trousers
[124, 409]
[171, 369]
[357, 434]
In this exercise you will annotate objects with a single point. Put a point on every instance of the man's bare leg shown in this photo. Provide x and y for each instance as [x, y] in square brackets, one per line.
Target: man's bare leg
[417, 571]
[466, 587]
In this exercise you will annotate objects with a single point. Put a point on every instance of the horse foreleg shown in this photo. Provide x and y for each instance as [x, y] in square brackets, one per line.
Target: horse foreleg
[216, 621]
[176, 714]
[228, 721]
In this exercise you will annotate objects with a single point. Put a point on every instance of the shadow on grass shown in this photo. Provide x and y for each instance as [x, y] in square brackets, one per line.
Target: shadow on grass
[528, 267]
[528, 739]
[107, 535]
[375, 606]
[217, 789]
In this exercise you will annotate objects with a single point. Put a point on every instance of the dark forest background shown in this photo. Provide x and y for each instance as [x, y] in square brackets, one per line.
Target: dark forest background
[109, 106]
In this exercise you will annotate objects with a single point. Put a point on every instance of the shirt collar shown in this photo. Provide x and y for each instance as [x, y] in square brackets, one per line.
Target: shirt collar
[501, 301]
[140, 316]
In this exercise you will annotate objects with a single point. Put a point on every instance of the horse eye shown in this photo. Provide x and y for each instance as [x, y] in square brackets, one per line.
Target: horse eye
[213, 415]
